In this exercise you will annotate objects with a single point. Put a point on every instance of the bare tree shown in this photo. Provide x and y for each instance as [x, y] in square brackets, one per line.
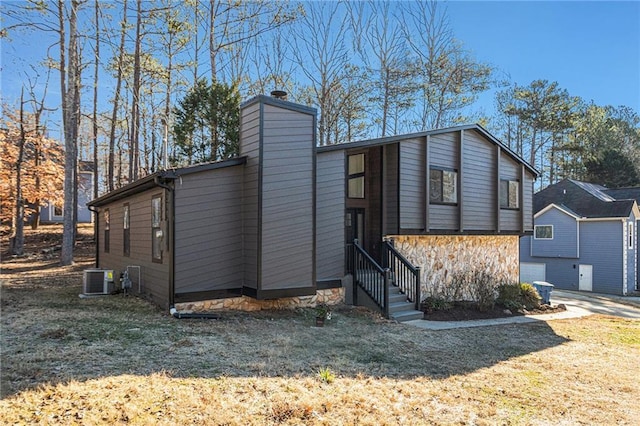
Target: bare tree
[70, 89]
[322, 56]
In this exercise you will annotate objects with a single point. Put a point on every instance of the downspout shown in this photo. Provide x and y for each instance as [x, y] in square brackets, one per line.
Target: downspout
[171, 232]
[96, 231]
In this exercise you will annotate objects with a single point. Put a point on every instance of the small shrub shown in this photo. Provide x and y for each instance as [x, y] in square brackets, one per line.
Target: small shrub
[433, 303]
[326, 375]
[530, 297]
[518, 296]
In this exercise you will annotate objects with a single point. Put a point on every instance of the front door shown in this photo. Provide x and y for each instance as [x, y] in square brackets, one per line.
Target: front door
[585, 283]
[355, 226]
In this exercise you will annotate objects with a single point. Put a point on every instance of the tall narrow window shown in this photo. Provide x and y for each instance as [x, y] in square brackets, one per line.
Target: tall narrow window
[156, 230]
[509, 190]
[443, 186]
[107, 226]
[126, 236]
[356, 176]
[630, 236]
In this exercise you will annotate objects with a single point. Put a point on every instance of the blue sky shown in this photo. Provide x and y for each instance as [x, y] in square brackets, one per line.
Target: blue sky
[592, 48]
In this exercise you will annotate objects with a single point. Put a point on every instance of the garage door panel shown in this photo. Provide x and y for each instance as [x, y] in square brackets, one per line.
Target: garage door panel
[530, 272]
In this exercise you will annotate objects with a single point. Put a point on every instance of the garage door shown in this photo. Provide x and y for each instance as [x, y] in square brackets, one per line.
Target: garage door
[530, 272]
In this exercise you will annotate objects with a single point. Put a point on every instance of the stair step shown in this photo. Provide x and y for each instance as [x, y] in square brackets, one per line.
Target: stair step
[398, 297]
[400, 307]
[407, 315]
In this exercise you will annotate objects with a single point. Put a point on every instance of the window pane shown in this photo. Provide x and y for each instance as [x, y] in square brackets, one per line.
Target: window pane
[435, 185]
[106, 220]
[156, 212]
[157, 244]
[504, 194]
[449, 190]
[126, 216]
[544, 232]
[513, 194]
[356, 164]
[356, 187]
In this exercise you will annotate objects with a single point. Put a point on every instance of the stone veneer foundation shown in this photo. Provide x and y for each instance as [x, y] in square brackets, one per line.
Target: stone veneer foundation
[332, 296]
[441, 256]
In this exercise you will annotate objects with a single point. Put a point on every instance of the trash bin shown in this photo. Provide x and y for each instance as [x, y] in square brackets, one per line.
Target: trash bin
[544, 290]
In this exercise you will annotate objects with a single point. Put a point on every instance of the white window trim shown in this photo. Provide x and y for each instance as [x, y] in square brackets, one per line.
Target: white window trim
[630, 236]
[543, 239]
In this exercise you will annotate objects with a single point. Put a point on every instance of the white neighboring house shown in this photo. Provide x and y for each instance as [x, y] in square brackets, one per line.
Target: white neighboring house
[53, 213]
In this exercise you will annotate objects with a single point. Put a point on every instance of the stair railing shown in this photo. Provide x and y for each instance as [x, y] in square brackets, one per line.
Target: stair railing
[404, 274]
[371, 278]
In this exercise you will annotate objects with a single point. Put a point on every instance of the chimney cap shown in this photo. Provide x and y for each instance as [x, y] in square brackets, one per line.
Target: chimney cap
[279, 94]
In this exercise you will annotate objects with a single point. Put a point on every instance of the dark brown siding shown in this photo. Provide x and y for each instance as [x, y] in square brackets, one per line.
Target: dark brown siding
[444, 152]
[412, 181]
[250, 146]
[330, 208]
[154, 276]
[287, 213]
[208, 224]
[479, 185]
[390, 182]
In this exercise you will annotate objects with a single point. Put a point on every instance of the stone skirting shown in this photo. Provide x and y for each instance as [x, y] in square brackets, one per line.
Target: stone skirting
[331, 296]
[440, 257]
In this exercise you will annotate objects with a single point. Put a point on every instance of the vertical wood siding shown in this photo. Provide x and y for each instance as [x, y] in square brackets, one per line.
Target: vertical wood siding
[510, 220]
[390, 191]
[250, 146]
[479, 185]
[330, 208]
[154, 276]
[208, 226]
[444, 152]
[287, 216]
[412, 182]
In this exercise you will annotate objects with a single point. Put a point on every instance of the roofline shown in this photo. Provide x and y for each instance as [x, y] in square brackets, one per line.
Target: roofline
[270, 100]
[153, 180]
[397, 138]
[560, 208]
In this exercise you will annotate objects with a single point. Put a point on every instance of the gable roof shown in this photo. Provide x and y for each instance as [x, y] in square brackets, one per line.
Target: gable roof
[624, 193]
[585, 199]
[395, 139]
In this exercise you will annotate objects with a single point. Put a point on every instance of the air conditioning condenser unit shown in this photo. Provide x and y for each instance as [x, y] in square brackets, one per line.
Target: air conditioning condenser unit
[98, 281]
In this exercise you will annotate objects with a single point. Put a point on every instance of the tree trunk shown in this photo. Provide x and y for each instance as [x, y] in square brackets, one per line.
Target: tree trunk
[70, 108]
[134, 154]
[17, 239]
[116, 102]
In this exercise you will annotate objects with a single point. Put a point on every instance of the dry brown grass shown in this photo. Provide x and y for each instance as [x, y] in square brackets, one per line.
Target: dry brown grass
[117, 360]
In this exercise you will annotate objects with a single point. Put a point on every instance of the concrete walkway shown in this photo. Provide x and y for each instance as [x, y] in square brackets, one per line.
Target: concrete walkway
[578, 304]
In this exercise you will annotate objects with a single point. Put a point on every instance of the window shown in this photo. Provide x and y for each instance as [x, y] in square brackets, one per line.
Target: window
[630, 235]
[57, 211]
[443, 186]
[509, 190]
[356, 176]
[126, 232]
[156, 230]
[107, 225]
[543, 232]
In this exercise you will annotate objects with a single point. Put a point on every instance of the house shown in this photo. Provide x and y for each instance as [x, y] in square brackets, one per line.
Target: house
[585, 238]
[287, 223]
[51, 213]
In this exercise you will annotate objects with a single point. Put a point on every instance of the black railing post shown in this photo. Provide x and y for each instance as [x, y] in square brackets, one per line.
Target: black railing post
[354, 271]
[418, 288]
[387, 280]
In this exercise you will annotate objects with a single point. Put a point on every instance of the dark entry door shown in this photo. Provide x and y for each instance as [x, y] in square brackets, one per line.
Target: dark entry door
[355, 226]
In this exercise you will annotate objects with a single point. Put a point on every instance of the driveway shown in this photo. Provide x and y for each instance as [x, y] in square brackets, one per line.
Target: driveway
[578, 304]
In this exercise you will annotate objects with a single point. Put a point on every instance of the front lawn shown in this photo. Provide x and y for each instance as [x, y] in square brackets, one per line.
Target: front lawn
[116, 360]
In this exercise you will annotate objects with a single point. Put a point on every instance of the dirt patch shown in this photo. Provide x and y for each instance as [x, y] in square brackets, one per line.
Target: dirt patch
[467, 311]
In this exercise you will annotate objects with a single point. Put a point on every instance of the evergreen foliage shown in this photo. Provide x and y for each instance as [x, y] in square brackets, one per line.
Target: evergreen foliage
[207, 124]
